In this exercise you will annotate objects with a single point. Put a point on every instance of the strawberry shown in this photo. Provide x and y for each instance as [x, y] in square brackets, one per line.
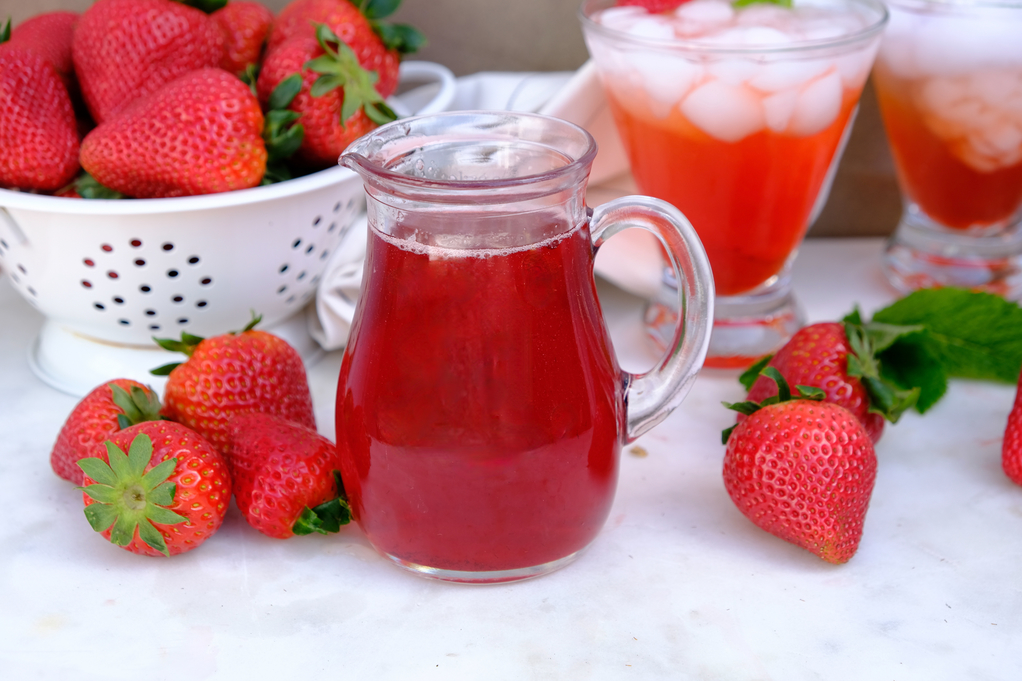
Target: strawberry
[803, 470]
[125, 49]
[49, 34]
[839, 359]
[198, 134]
[167, 495]
[232, 374]
[336, 101]
[286, 477]
[653, 6]
[1011, 449]
[107, 409]
[378, 45]
[38, 132]
[246, 26]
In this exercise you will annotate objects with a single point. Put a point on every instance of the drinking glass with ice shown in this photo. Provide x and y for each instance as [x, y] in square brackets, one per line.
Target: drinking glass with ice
[736, 115]
[949, 83]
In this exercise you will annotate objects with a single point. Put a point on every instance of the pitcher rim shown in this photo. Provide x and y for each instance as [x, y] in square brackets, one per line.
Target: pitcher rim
[354, 159]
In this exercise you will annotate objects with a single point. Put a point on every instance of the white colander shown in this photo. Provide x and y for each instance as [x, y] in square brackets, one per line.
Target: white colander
[110, 275]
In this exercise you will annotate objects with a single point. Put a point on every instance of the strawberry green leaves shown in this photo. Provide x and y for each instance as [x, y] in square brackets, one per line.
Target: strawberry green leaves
[784, 394]
[888, 399]
[88, 188]
[327, 517]
[401, 37]
[282, 132]
[128, 498]
[136, 406]
[339, 67]
[5, 31]
[207, 6]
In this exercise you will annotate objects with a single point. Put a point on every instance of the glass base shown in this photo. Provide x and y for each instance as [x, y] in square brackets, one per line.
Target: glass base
[485, 577]
[745, 327]
[923, 254]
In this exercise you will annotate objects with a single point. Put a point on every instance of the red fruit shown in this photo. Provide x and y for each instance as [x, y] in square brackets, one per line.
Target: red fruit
[146, 504]
[199, 134]
[246, 26]
[803, 471]
[326, 137]
[1011, 449]
[125, 49]
[817, 356]
[298, 19]
[652, 6]
[286, 477]
[107, 409]
[49, 34]
[38, 132]
[233, 374]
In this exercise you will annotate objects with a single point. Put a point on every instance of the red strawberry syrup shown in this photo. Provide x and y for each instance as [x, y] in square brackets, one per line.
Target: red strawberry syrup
[479, 404]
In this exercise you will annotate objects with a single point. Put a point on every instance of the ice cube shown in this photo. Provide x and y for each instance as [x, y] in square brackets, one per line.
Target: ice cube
[995, 87]
[818, 105]
[669, 78]
[764, 15]
[787, 74]
[855, 66]
[749, 36]
[705, 12]
[654, 28]
[968, 154]
[778, 108]
[733, 71]
[727, 112]
[939, 94]
[1002, 139]
[620, 18]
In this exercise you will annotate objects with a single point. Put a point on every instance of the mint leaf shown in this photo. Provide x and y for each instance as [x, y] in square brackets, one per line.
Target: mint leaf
[746, 3]
[912, 362]
[971, 334]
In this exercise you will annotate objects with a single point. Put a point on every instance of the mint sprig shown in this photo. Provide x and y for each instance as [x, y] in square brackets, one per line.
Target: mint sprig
[745, 3]
[972, 334]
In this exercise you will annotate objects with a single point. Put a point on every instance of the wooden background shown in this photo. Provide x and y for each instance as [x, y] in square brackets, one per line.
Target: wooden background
[470, 36]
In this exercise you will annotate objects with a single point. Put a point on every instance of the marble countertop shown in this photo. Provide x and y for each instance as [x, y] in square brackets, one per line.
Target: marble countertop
[678, 584]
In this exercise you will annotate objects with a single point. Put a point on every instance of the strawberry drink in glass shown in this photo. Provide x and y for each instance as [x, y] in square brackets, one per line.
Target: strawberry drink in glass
[737, 115]
[949, 83]
[480, 407]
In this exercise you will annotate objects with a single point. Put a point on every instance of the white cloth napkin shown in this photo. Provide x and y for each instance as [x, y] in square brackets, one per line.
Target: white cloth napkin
[630, 260]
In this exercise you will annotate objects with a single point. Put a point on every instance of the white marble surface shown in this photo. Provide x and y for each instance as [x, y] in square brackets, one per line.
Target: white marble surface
[678, 585]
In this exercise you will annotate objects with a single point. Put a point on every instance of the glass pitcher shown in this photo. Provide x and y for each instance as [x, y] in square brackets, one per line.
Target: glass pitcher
[480, 407]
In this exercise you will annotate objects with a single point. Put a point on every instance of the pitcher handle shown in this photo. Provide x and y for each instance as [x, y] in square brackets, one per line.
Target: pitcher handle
[650, 397]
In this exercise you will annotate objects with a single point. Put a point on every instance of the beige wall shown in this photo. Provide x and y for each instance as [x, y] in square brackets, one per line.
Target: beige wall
[543, 35]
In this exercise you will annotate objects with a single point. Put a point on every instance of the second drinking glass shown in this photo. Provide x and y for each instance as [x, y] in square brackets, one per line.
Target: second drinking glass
[737, 116]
